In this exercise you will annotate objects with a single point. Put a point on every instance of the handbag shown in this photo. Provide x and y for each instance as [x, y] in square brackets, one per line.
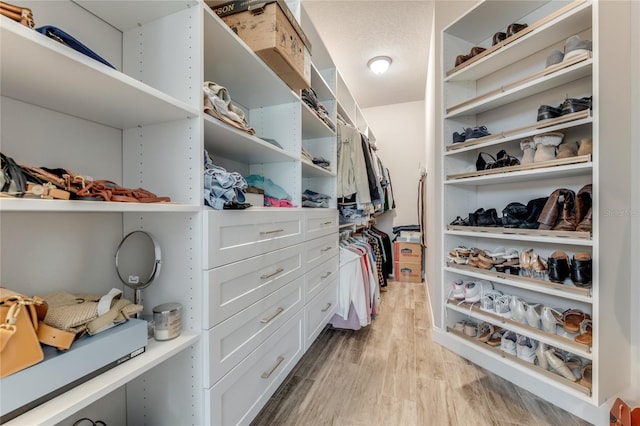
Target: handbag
[88, 313]
[19, 345]
[18, 14]
[58, 35]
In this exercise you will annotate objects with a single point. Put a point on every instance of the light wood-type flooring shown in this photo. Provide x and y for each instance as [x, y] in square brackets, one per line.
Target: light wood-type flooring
[391, 374]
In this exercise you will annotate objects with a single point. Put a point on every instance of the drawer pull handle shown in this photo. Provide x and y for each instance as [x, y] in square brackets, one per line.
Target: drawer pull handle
[275, 231]
[325, 275]
[328, 223]
[327, 308]
[270, 371]
[277, 271]
[326, 249]
[272, 317]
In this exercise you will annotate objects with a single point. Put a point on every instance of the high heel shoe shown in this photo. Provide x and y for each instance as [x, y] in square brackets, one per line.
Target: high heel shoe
[542, 359]
[557, 365]
[550, 318]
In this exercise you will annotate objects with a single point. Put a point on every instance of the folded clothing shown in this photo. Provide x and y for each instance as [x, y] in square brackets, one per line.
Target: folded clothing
[271, 189]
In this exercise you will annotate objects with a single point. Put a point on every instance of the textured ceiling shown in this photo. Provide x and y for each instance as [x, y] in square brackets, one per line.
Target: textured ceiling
[355, 31]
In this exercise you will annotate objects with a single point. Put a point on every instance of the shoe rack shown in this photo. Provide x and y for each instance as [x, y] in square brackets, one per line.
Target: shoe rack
[142, 125]
[502, 88]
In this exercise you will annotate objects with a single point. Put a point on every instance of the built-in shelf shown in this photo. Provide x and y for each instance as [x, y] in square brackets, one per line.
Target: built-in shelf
[519, 175]
[223, 140]
[312, 126]
[555, 340]
[312, 170]
[566, 291]
[517, 234]
[540, 373]
[74, 206]
[542, 167]
[564, 23]
[58, 409]
[38, 70]
[568, 121]
[503, 97]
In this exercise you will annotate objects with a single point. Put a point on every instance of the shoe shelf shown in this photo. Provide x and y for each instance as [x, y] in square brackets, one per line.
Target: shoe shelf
[572, 166]
[555, 340]
[558, 25]
[532, 368]
[532, 235]
[312, 170]
[58, 409]
[38, 70]
[226, 141]
[566, 291]
[229, 62]
[576, 119]
[46, 205]
[507, 94]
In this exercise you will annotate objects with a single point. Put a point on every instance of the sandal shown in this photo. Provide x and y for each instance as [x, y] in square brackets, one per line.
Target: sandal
[586, 373]
[572, 318]
[496, 338]
[485, 331]
[586, 333]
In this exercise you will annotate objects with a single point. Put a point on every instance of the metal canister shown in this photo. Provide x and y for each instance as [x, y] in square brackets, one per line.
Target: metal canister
[168, 321]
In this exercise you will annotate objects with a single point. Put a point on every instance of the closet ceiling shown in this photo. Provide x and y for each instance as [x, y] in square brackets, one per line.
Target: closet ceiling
[356, 31]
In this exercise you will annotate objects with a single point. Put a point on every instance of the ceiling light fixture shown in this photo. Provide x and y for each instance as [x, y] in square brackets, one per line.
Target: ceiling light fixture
[379, 64]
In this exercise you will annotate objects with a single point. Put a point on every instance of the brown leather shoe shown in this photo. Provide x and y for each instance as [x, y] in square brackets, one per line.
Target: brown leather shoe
[567, 220]
[584, 217]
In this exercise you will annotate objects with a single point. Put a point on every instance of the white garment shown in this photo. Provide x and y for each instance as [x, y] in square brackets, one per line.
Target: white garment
[351, 288]
[352, 170]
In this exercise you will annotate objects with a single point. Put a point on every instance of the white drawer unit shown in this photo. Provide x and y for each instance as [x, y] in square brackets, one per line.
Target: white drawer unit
[320, 250]
[318, 278]
[239, 396]
[237, 235]
[230, 342]
[320, 222]
[231, 288]
[319, 311]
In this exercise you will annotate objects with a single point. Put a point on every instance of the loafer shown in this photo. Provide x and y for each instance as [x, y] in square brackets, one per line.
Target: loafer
[459, 137]
[558, 265]
[572, 105]
[575, 46]
[476, 132]
[515, 28]
[498, 37]
[547, 111]
[581, 269]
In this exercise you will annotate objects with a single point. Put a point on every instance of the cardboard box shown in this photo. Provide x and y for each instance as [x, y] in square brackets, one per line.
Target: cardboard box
[407, 252]
[270, 30]
[407, 272]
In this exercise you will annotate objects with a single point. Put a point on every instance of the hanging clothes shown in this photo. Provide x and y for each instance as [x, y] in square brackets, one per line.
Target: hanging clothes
[352, 172]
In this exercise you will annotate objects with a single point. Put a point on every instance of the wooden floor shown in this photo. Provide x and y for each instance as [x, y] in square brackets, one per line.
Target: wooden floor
[391, 374]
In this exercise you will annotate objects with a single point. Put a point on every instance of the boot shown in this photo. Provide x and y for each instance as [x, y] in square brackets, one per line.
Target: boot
[567, 220]
[585, 146]
[528, 149]
[583, 209]
[534, 207]
[567, 150]
[550, 211]
[546, 145]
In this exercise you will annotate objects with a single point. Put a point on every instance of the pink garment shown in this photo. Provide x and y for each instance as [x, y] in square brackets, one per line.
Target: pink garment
[274, 202]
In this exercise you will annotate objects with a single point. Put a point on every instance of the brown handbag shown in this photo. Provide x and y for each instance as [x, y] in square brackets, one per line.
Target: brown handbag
[19, 345]
[17, 13]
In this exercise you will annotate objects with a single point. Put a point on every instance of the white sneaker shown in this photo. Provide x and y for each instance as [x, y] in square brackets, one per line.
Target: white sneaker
[508, 342]
[488, 300]
[473, 291]
[526, 349]
[533, 315]
[457, 290]
[518, 312]
[501, 305]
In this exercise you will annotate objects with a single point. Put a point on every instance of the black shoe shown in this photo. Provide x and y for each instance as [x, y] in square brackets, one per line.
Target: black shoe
[581, 269]
[514, 28]
[572, 105]
[534, 207]
[514, 215]
[547, 111]
[498, 37]
[558, 266]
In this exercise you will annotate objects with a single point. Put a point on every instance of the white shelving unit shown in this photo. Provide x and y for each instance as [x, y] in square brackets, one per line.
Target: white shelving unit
[142, 125]
[502, 89]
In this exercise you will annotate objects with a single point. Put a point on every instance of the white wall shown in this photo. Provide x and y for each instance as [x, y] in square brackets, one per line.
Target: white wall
[399, 130]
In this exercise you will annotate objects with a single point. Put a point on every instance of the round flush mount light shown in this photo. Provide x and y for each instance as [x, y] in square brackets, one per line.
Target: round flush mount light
[379, 64]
